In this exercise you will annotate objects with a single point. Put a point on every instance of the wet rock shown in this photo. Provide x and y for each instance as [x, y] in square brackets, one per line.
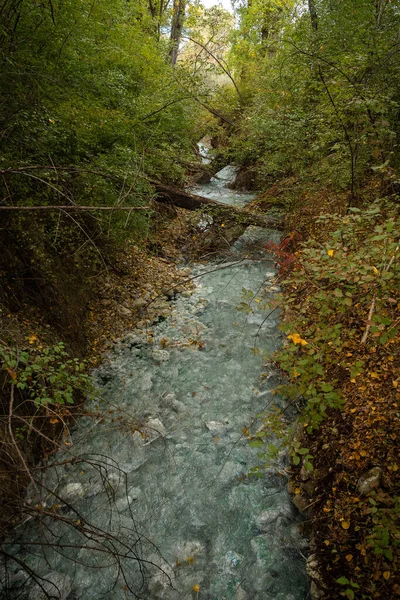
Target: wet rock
[138, 441]
[312, 568]
[160, 356]
[124, 503]
[72, 491]
[134, 493]
[301, 502]
[369, 481]
[161, 579]
[217, 426]
[169, 401]
[304, 474]
[147, 382]
[154, 429]
[133, 340]
[168, 398]
[268, 517]
[54, 585]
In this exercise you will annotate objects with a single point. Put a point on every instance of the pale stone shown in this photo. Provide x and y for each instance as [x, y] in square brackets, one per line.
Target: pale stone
[369, 481]
[72, 491]
[216, 426]
[124, 312]
[139, 303]
[266, 518]
[154, 429]
[312, 569]
[160, 355]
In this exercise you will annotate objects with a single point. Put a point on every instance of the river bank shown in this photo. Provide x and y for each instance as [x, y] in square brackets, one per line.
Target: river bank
[341, 357]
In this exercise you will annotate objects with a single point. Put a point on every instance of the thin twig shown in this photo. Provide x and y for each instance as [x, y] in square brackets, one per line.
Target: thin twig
[75, 207]
[10, 430]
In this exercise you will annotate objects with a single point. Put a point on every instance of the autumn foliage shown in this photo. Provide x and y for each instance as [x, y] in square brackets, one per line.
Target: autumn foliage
[342, 358]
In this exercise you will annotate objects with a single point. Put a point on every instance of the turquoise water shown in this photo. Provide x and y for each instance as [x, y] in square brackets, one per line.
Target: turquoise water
[156, 482]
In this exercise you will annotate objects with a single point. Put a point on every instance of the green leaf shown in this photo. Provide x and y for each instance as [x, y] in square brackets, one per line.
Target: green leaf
[302, 451]
[256, 443]
[343, 581]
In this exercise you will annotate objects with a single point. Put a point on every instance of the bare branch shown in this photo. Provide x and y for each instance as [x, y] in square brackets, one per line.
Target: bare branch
[74, 208]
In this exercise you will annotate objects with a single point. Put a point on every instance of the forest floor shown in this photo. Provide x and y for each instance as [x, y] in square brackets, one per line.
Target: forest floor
[351, 498]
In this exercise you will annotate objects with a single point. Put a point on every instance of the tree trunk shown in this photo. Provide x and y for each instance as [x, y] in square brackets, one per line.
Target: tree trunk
[178, 197]
[176, 28]
[313, 14]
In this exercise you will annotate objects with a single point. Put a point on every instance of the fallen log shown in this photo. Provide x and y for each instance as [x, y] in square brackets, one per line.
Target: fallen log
[183, 199]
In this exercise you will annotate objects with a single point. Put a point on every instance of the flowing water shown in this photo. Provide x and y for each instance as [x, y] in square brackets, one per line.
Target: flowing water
[153, 497]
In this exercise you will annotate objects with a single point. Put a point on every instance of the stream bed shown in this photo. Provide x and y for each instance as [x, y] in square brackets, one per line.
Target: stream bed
[152, 497]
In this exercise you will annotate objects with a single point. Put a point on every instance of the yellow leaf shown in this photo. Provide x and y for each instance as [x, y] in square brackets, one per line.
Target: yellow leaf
[296, 339]
[374, 375]
[190, 560]
[386, 574]
[331, 253]
[349, 557]
[345, 524]
[375, 270]
[196, 588]
[12, 373]
[297, 491]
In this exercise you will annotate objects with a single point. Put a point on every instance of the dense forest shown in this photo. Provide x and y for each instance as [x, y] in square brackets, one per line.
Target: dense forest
[99, 103]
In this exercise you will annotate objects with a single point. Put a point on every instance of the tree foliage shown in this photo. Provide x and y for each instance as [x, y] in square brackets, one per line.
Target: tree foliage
[322, 89]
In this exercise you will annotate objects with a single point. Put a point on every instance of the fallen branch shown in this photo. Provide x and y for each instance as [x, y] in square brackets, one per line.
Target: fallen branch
[183, 199]
[371, 312]
[75, 207]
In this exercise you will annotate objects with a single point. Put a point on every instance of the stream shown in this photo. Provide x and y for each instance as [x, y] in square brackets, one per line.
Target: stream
[152, 496]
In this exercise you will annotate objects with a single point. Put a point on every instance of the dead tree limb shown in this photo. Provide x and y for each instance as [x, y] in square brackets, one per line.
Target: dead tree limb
[183, 199]
[75, 207]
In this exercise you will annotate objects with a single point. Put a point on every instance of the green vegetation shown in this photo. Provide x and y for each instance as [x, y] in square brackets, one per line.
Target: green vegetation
[97, 99]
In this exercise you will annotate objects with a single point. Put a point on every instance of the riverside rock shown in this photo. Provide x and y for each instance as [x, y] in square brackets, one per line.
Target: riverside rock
[369, 481]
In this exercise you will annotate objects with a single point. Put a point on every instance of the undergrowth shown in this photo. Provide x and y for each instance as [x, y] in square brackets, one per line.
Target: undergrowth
[340, 357]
